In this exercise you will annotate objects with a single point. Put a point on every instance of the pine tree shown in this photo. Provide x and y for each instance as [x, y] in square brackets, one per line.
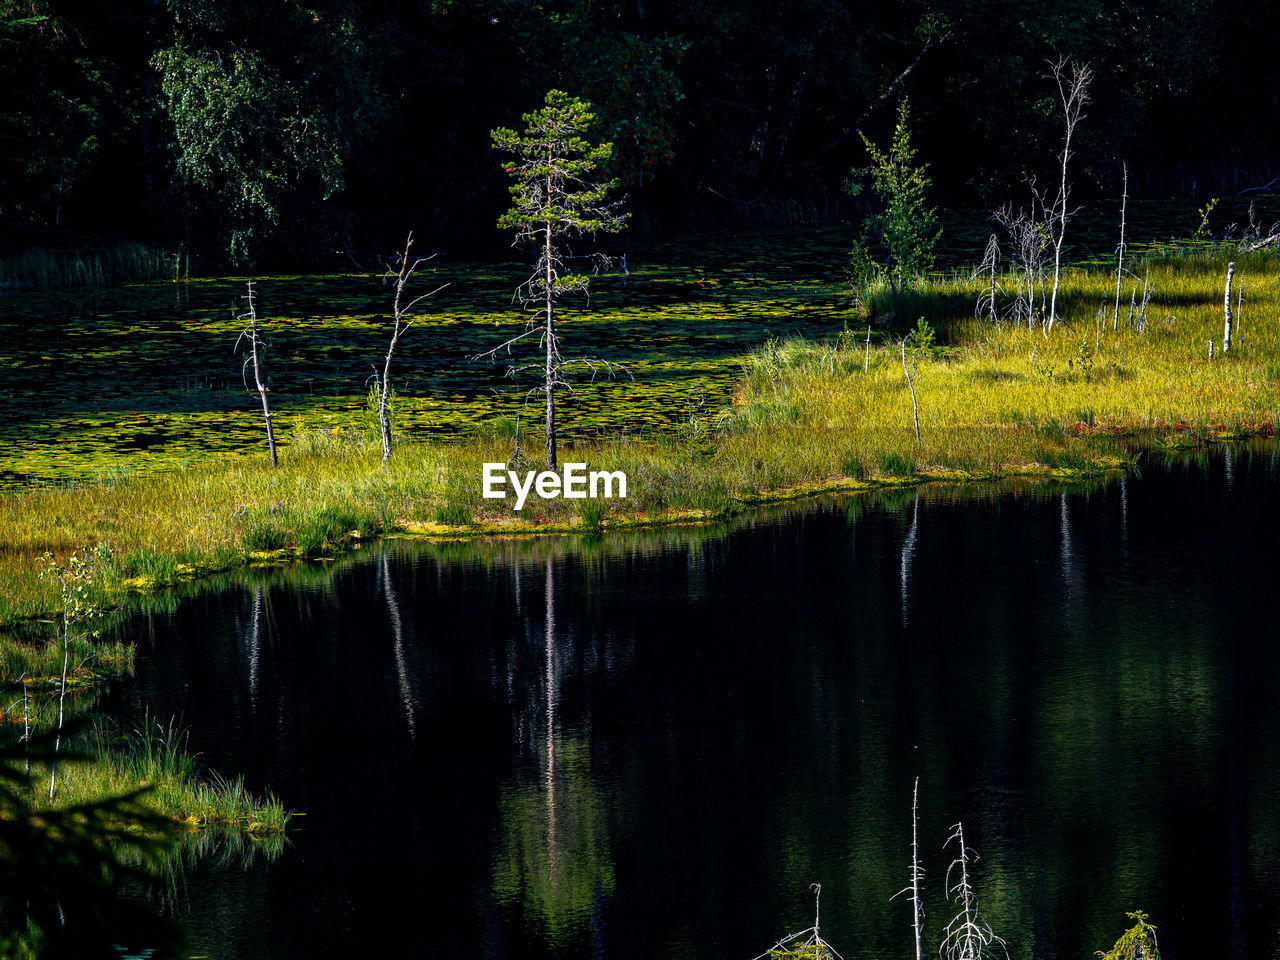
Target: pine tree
[558, 192]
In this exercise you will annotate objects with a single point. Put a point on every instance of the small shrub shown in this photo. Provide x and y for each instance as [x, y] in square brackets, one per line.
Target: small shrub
[1137, 943]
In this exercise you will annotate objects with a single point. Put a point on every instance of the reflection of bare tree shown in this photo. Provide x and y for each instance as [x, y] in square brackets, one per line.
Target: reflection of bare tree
[252, 632]
[554, 858]
[255, 643]
[908, 555]
[1071, 583]
[407, 699]
[1124, 519]
[552, 687]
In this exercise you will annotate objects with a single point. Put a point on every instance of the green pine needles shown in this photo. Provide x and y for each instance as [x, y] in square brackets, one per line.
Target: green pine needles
[558, 192]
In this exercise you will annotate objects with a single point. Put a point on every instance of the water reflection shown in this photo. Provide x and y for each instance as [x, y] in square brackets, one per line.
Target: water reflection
[656, 743]
[554, 863]
[407, 698]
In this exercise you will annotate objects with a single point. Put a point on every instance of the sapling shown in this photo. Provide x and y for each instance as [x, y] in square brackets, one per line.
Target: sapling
[75, 607]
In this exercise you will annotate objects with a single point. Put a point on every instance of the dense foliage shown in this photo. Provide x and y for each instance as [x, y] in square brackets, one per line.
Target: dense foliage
[285, 132]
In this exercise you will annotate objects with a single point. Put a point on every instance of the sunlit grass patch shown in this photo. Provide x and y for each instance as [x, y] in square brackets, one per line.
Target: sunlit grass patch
[157, 756]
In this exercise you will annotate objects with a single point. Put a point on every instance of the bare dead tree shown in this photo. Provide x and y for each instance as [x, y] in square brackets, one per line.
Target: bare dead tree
[1146, 300]
[807, 944]
[1240, 311]
[986, 305]
[915, 875]
[401, 320]
[936, 34]
[256, 350]
[915, 410]
[966, 936]
[1124, 202]
[1226, 310]
[1073, 80]
[1256, 236]
[1028, 245]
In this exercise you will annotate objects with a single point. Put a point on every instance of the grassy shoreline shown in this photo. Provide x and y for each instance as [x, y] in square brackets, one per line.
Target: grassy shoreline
[809, 417]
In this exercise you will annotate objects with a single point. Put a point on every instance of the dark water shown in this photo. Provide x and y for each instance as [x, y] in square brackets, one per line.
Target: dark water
[651, 748]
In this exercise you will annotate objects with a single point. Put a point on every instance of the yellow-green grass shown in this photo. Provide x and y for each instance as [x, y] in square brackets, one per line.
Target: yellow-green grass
[156, 757]
[994, 402]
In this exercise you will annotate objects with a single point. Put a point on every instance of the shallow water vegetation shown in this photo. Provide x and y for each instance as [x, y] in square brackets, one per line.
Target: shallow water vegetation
[157, 756]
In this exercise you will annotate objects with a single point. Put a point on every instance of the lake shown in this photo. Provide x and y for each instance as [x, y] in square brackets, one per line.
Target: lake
[651, 745]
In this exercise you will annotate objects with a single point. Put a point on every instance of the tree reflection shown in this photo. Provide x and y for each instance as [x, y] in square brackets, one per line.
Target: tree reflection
[554, 860]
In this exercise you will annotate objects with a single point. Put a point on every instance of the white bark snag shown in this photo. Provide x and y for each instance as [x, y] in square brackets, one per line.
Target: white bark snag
[401, 323]
[1124, 200]
[916, 921]
[1226, 310]
[915, 411]
[866, 362]
[1073, 91]
[550, 337]
[254, 343]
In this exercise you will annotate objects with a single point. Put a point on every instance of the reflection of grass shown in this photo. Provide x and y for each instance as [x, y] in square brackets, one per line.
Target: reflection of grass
[42, 269]
[156, 756]
[807, 417]
[41, 662]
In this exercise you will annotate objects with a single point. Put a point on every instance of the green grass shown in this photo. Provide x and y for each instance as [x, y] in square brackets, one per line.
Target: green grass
[807, 415]
[157, 756]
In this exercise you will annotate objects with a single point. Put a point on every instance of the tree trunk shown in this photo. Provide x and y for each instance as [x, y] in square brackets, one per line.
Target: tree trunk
[915, 411]
[550, 383]
[62, 696]
[257, 378]
[1226, 310]
[1124, 200]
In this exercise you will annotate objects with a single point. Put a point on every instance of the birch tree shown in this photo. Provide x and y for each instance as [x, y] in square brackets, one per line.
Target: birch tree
[558, 192]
